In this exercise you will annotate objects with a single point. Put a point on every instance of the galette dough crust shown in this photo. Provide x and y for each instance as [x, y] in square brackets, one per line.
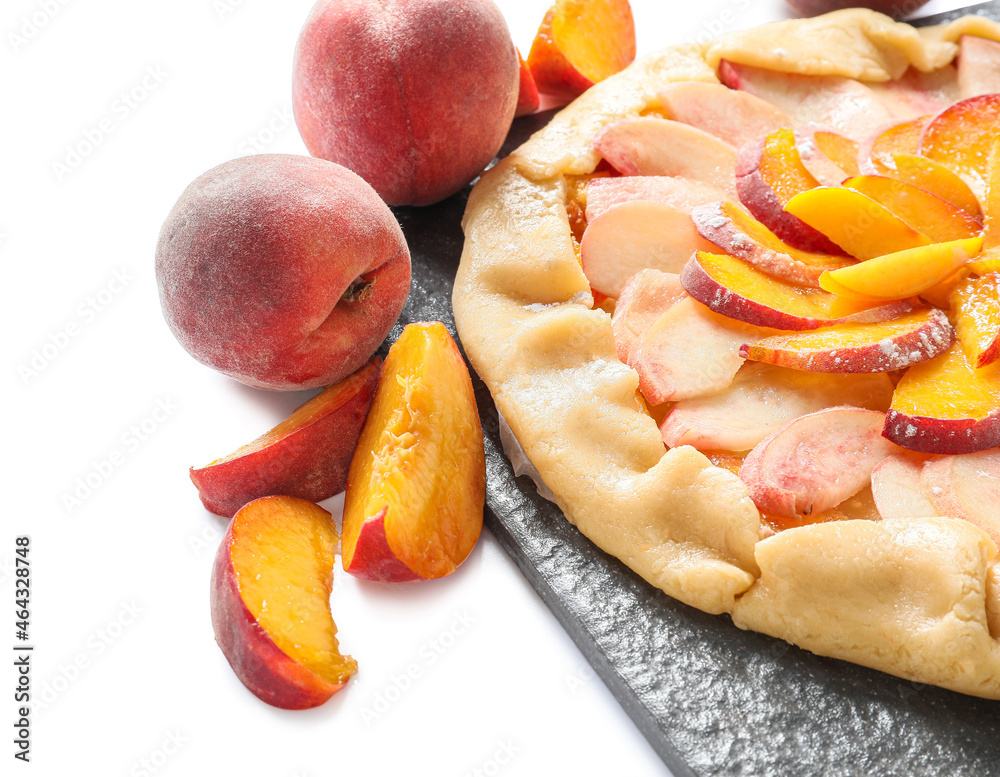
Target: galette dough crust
[919, 599]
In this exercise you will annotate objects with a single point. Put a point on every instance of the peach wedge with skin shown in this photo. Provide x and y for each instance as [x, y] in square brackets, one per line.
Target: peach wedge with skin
[733, 288]
[271, 602]
[960, 137]
[892, 345]
[902, 274]
[647, 295]
[307, 455]
[417, 485]
[944, 405]
[681, 193]
[730, 115]
[967, 487]
[579, 43]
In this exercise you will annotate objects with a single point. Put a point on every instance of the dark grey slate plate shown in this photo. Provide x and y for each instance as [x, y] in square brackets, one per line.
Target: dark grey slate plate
[710, 698]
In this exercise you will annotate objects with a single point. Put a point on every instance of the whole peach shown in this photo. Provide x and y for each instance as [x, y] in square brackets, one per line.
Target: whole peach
[415, 96]
[283, 272]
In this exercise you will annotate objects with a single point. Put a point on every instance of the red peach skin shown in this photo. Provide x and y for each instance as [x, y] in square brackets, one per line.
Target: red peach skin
[283, 272]
[416, 96]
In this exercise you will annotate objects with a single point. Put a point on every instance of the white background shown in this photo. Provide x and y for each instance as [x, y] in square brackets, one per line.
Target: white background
[126, 670]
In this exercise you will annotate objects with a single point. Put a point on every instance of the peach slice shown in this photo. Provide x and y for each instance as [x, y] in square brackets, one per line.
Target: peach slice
[270, 602]
[813, 143]
[681, 193]
[579, 43]
[937, 179]
[647, 296]
[649, 145]
[917, 93]
[960, 137]
[528, 99]
[763, 398]
[991, 203]
[842, 104]
[769, 173]
[417, 485]
[815, 462]
[928, 214]
[634, 236]
[902, 274]
[976, 306]
[689, 351]
[306, 455]
[856, 223]
[740, 235]
[876, 152]
[978, 66]
[733, 288]
[892, 345]
[898, 489]
[967, 487]
[944, 405]
[733, 116]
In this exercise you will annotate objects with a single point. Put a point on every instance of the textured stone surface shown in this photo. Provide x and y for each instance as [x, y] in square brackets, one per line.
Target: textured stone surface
[711, 699]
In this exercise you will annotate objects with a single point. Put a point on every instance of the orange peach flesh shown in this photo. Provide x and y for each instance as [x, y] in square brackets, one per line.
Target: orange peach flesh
[937, 179]
[976, 306]
[597, 37]
[842, 151]
[782, 168]
[948, 388]
[327, 401]
[902, 138]
[421, 457]
[285, 578]
[961, 137]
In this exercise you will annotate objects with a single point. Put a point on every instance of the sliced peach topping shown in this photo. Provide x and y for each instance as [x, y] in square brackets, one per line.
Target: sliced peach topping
[902, 274]
[579, 43]
[733, 288]
[527, 92]
[898, 138]
[976, 306]
[417, 484]
[961, 135]
[892, 345]
[859, 225]
[944, 405]
[939, 220]
[737, 233]
[842, 151]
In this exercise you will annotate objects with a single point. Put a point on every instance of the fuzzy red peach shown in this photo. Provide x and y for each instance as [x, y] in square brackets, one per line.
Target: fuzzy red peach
[416, 96]
[283, 272]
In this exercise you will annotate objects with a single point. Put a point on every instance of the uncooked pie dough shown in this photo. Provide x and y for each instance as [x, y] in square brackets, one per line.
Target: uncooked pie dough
[917, 598]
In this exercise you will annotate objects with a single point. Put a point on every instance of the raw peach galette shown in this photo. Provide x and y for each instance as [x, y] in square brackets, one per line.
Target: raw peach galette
[740, 306]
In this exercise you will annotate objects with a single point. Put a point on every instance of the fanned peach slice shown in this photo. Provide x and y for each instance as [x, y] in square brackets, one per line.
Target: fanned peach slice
[960, 137]
[306, 455]
[902, 274]
[892, 345]
[842, 104]
[945, 406]
[769, 173]
[978, 66]
[579, 43]
[976, 306]
[733, 288]
[763, 398]
[842, 151]
[928, 214]
[739, 234]
[647, 296]
[898, 489]
[991, 204]
[967, 487]
[528, 99]
[856, 223]
[415, 493]
[634, 236]
[689, 351]
[270, 602]
[815, 462]
[877, 151]
[733, 116]
[829, 157]
[681, 193]
[937, 179]
[649, 145]
[917, 93]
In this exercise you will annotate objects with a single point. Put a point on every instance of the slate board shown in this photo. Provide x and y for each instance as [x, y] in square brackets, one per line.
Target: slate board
[710, 698]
